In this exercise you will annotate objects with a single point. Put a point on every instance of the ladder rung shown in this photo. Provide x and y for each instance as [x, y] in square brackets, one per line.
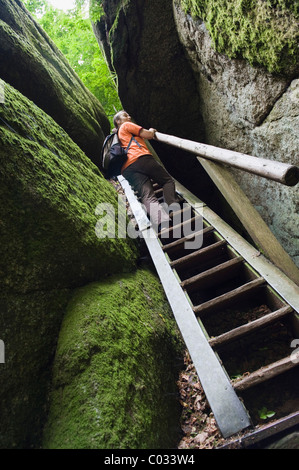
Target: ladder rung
[171, 229]
[242, 330]
[158, 192]
[212, 274]
[180, 241]
[265, 373]
[221, 392]
[229, 297]
[201, 253]
[181, 211]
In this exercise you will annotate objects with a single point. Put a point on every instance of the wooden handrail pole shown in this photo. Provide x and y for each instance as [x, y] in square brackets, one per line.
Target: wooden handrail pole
[277, 171]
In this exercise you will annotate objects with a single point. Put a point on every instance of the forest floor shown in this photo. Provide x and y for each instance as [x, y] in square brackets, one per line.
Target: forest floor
[197, 421]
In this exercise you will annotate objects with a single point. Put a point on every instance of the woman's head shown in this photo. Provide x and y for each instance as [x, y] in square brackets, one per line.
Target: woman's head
[121, 117]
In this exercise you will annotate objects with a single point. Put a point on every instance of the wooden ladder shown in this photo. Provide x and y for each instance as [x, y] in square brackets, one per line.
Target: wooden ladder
[202, 279]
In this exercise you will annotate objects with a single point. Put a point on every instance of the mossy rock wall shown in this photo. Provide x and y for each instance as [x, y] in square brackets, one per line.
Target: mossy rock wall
[114, 371]
[264, 32]
[253, 111]
[49, 192]
[31, 63]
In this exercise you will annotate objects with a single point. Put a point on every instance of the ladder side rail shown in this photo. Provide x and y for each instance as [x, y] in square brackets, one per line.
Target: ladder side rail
[228, 410]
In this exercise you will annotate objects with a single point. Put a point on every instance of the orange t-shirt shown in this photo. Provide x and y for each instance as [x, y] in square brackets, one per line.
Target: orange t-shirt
[126, 130]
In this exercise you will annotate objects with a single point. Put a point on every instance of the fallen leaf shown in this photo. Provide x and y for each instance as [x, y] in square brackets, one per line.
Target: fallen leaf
[200, 438]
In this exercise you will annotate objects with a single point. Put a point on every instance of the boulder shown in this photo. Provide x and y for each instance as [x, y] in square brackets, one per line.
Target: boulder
[253, 111]
[31, 63]
[50, 193]
[115, 369]
[156, 84]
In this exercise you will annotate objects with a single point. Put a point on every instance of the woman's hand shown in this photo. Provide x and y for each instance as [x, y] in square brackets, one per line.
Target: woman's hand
[147, 133]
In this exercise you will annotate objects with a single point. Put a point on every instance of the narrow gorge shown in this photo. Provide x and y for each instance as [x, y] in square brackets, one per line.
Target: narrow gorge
[92, 351]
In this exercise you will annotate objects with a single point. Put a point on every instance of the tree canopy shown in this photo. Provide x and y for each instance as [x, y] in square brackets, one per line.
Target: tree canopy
[72, 33]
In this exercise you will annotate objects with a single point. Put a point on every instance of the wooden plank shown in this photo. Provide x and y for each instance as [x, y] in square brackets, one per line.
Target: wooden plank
[263, 432]
[211, 275]
[250, 327]
[266, 373]
[228, 410]
[259, 231]
[185, 208]
[158, 192]
[275, 277]
[168, 231]
[177, 243]
[229, 298]
[202, 253]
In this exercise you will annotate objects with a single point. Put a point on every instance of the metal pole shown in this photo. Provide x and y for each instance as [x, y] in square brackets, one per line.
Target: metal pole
[277, 171]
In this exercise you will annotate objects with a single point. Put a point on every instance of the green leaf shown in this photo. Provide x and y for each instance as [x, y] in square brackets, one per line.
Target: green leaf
[264, 413]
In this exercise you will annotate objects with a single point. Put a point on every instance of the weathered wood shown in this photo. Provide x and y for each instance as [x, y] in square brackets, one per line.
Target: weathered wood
[212, 275]
[263, 432]
[284, 284]
[177, 243]
[227, 299]
[250, 327]
[256, 227]
[228, 410]
[199, 255]
[158, 193]
[281, 172]
[168, 231]
[266, 373]
[193, 331]
[251, 219]
[181, 211]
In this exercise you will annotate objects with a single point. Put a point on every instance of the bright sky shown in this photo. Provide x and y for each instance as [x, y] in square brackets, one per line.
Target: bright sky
[63, 4]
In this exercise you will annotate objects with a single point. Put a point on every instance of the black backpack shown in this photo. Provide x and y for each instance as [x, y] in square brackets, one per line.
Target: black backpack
[114, 155]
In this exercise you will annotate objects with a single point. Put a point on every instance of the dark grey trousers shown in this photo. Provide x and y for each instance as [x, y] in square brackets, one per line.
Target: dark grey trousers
[139, 174]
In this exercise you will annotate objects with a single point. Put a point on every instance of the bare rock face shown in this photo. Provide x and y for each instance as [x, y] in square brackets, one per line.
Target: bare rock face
[31, 63]
[252, 111]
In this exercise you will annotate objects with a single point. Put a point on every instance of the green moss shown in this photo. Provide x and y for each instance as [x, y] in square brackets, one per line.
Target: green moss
[264, 32]
[31, 62]
[114, 374]
[29, 328]
[95, 10]
[49, 192]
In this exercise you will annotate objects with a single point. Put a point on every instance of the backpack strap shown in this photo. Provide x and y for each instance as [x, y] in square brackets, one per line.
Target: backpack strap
[129, 144]
[132, 138]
